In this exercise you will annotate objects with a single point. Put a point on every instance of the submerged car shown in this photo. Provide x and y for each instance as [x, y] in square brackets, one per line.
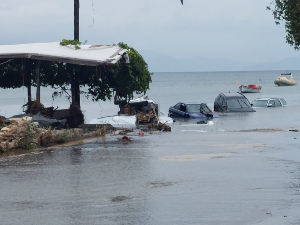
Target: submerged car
[232, 102]
[268, 102]
[190, 110]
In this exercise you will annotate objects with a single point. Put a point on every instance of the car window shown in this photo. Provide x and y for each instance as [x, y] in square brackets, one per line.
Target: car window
[238, 103]
[244, 103]
[283, 101]
[192, 108]
[260, 103]
[182, 107]
[222, 100]
[233, 104]
[177, 106]
[271, 103]
[277, 102]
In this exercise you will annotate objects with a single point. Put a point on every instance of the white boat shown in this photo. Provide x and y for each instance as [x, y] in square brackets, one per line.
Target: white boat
[283, 80]
[251, 88]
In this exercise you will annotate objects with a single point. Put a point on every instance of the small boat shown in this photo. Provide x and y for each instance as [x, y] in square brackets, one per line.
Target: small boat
[251, 88]
[283, 80]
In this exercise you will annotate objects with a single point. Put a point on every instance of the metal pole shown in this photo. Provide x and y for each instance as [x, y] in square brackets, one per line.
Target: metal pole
[75, 89]
[76, 20]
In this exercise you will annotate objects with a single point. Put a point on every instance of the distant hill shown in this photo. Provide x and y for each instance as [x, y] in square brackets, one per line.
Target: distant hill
[163, 63]
[290, 63]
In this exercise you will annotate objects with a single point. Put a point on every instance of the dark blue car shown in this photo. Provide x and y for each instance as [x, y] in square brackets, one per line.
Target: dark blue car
[190, 110]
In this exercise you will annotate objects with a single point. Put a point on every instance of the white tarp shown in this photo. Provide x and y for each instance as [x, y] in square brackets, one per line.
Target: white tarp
[126, 121]
[90, 55]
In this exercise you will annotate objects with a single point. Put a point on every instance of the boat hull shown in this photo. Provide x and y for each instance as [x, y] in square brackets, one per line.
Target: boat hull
[250, 89]
[284, 83]
[282, 80]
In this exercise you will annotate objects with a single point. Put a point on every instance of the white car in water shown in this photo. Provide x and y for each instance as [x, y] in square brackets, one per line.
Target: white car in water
[268, 102]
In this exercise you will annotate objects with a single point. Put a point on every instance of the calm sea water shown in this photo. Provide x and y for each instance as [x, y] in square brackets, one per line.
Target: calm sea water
[223, 173]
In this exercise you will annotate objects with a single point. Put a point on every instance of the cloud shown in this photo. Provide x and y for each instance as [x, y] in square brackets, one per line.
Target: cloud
[236, 29]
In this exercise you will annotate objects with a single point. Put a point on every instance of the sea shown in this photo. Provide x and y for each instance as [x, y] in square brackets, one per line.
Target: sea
[241, 168]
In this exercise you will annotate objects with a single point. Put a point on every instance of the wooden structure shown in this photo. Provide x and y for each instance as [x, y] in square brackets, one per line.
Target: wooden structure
[88, 55]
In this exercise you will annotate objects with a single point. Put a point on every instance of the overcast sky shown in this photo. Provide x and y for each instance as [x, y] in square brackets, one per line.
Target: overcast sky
[240, 30]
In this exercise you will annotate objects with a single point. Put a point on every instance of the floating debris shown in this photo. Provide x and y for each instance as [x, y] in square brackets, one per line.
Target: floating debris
[294, 130]
[120, 198]
[125, 138]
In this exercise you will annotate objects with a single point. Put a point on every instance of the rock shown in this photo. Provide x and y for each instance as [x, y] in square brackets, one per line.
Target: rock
[3, 145]
[5, 129]
[27, 118]
[12, 130]
[16, 120]
[11, 145]
[36, 123]
[78, 132]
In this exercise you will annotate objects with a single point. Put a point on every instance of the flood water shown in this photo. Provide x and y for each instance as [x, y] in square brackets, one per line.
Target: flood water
[242, 169]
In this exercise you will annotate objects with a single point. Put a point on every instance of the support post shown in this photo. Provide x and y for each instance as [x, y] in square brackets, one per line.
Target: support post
[77, 86]
[27, 75]
[38, 83]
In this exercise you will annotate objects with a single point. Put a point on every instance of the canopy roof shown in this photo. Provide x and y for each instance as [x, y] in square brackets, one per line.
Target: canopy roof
[90, 55]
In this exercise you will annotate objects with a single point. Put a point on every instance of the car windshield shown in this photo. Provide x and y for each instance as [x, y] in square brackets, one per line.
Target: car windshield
[283, 101]
[192, 108]
[259, 103]
[238, 103]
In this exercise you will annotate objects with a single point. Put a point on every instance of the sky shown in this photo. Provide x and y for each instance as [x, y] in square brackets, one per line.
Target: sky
[240, 30]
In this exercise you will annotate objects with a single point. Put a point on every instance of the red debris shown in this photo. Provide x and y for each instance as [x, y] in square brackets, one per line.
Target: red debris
[125, 138]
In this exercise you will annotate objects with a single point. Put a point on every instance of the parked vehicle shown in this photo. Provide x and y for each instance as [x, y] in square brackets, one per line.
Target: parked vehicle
[251, 88]
[268, 102]
[285, 79]
[191, 110]
[232, 102]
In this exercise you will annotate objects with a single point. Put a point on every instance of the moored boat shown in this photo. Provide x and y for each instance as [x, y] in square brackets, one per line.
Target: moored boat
[251, 88]
[283, 80]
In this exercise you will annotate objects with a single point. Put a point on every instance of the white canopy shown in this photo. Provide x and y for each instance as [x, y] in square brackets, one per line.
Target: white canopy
[90, 55]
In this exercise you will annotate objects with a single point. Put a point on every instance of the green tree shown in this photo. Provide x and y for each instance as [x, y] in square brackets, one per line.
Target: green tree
[288, 11]
[11, 74]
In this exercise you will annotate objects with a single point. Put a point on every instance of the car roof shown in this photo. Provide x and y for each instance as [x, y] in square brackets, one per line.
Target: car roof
[233, 95]
[264, 99]
[190, 103]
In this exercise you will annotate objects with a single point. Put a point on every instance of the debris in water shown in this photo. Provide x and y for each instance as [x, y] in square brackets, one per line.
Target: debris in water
[125, 138]
[119, 198]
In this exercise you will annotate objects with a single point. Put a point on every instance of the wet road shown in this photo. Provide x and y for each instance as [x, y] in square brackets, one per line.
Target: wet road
[182, 177]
